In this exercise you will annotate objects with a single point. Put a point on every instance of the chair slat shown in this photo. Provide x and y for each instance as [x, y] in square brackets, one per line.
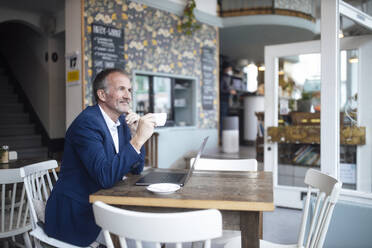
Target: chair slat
[138, 243]
[207, 243]
[45, 189]
[22, 201]
[108, 240]
[320, 221]
[55, 177]
[38, 187]
[50, 185]
[12, 205]
[3, 207]
[34, 192]
[123, 242]
[325, 225]
[313, 221]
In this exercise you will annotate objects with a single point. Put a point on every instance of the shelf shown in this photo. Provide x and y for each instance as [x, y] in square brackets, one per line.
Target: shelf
[311, 135]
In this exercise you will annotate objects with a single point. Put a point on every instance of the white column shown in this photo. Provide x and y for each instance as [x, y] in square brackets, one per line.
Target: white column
[73, 45]
[271, 110]
[330, 88]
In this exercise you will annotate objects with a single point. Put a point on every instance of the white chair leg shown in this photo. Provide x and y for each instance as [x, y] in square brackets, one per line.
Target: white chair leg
[27, 240]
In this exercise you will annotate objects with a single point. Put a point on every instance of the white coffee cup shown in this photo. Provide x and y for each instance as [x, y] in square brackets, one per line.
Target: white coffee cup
[160, 119]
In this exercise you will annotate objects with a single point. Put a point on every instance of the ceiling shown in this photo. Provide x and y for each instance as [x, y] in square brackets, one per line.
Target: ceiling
[43, 6]
[248, 42]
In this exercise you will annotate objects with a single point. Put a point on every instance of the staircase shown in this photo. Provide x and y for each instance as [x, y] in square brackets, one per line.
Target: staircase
[16, 130]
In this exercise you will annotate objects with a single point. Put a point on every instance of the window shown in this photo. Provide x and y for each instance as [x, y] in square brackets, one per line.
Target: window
[165, 94]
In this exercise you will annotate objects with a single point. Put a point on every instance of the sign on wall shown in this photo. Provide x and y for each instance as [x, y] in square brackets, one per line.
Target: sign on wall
[107, 47]
[208, 65]
[73, 69]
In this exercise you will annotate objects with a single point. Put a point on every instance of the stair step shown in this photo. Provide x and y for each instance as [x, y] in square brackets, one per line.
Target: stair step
[7, 92]
[16, 130]
[4, 79]
[22, 141]
[11, 108]
[14, 118]
[8, 98]
[33, 152]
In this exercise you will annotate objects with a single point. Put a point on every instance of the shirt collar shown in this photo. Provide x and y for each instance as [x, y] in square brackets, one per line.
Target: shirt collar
[109, 122]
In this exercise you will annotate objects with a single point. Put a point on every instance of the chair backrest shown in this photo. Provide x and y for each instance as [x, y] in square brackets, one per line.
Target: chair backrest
[328, 191]
[39, 184]
[225, 164]
[13, 204]
[201, 225]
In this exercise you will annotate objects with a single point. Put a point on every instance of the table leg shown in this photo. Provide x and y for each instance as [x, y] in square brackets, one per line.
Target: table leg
[250, 228]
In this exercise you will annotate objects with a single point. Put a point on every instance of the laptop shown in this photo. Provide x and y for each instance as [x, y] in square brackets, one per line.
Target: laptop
[179, 178]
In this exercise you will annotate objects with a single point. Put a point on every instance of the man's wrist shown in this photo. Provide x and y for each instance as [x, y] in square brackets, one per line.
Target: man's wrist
[136, 145]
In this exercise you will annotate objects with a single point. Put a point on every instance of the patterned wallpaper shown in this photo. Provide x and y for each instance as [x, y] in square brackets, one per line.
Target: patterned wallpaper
[153, 43]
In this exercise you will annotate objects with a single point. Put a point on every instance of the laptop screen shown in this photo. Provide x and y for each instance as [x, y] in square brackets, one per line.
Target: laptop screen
[192, 167]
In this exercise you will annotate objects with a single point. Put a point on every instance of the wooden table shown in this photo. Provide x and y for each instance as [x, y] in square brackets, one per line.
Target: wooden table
[18, 163]
[240, 196]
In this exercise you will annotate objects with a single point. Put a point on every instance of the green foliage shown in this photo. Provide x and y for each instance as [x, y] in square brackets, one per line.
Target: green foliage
[189, 23]
[306, 95]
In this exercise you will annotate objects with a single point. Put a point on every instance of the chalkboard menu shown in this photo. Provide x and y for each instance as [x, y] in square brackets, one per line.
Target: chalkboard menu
[107, 47]
[208, 65]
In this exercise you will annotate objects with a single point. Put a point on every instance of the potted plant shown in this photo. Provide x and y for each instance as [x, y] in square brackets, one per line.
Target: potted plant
[4, 154]
[304, 104]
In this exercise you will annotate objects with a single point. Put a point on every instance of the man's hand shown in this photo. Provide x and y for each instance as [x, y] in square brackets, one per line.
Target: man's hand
[132, 119]
[144, 131]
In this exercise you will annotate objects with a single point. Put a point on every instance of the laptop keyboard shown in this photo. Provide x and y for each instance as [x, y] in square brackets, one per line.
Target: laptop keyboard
[160, 177]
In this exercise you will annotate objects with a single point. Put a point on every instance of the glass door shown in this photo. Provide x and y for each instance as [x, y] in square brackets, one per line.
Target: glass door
[292, 118]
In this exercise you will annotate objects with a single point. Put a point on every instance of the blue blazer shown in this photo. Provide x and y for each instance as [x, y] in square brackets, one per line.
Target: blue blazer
[89, 163]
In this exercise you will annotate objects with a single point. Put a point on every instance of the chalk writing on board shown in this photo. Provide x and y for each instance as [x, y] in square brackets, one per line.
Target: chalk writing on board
[107, 48]
[208, 65]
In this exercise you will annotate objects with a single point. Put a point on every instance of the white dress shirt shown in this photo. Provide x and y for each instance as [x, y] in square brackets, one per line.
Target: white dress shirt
[112, 127]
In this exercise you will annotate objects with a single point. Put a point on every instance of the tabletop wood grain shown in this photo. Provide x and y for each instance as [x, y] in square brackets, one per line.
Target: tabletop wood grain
[244, 191]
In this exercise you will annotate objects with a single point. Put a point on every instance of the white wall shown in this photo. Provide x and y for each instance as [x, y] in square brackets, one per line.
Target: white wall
[73, 44]
[57, 95]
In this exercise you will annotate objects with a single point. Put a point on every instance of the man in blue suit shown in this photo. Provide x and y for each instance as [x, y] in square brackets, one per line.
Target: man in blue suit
[101, 146]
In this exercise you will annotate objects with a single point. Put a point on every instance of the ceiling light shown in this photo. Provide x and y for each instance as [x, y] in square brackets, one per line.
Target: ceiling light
[353, 57]
[353, 60]
[281, 72]
[341, 34]
[261, 68]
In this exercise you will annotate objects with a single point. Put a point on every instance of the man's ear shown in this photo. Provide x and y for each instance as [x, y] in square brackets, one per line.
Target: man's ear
[101, 95]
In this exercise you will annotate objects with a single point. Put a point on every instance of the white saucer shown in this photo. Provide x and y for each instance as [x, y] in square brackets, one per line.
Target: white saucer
[163, 188]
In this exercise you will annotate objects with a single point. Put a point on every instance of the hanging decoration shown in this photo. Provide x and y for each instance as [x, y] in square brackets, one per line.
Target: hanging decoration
[189, 23]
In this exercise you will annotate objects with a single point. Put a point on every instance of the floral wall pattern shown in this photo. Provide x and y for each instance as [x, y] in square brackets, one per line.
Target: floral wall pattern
[154, 43]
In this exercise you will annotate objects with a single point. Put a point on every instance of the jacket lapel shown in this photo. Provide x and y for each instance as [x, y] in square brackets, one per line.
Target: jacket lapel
[108, 138]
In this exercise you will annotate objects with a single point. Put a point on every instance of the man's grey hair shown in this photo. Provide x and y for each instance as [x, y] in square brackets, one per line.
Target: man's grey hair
[100, 81]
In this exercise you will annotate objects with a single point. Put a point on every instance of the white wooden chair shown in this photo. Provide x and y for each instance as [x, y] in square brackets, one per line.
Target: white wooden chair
[157, 227]
[39, 184]
[13, 206]
[225, 165]
[328, 191]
